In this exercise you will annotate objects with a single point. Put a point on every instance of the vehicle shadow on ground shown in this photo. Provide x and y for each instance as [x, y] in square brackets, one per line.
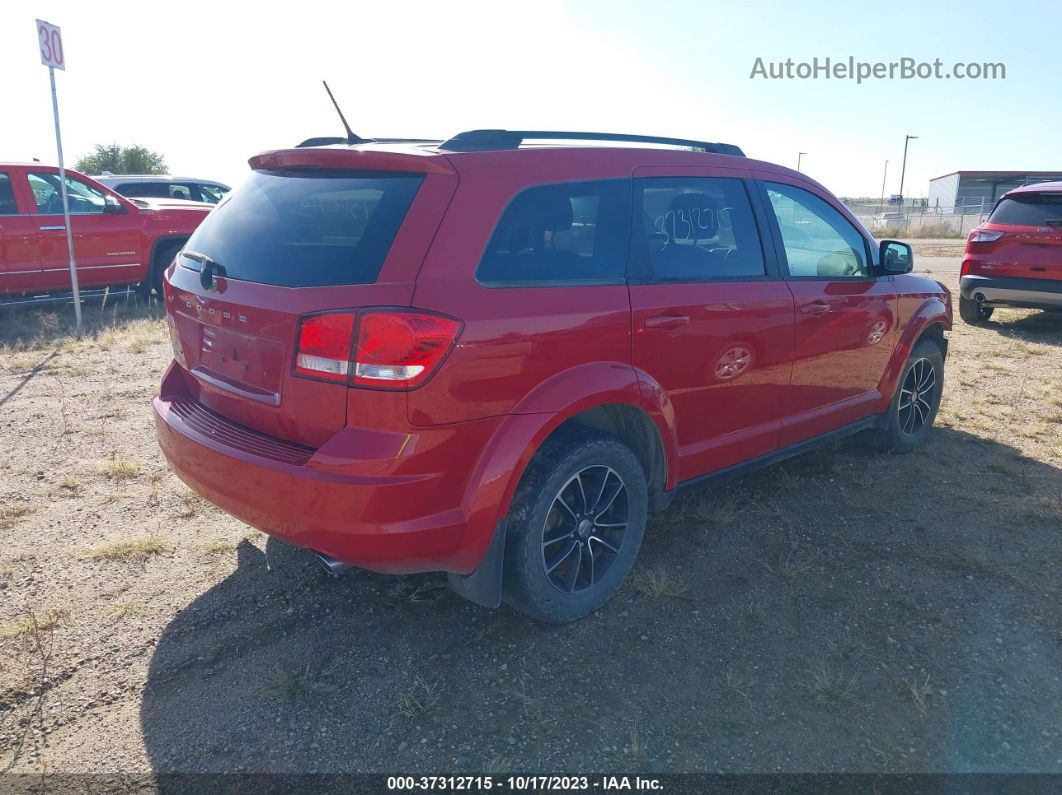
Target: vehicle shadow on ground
[1043, 327]
[846, 611]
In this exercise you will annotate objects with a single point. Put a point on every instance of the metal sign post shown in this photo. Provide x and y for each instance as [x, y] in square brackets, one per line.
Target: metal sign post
[50, 40]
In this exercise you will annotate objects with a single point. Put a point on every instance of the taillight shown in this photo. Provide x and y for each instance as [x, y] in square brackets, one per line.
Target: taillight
[324, 346]
[394, 348]
[397, 349]
[984, 236]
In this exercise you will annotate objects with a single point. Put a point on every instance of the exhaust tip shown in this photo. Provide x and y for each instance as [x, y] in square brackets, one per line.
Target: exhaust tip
[979, 297]
[333, 566]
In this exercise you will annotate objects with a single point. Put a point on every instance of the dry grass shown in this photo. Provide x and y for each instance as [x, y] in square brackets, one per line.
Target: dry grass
[11, 513]
[106, 325]
[122, 469]
[917, 691]
[832, 688]
[292, 686]
[187, 506]
[655, 584]
[120, 610]
[134, 549]
[46, 621]
[421, 696]
[787, 567]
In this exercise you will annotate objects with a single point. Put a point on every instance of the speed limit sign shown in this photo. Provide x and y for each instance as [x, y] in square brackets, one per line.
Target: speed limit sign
[51, 43]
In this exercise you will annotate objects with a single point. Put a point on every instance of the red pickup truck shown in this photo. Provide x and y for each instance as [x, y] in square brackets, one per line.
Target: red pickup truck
[117, 242]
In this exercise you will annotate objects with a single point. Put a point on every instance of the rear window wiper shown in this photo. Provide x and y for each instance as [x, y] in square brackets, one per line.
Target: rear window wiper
[205, 261]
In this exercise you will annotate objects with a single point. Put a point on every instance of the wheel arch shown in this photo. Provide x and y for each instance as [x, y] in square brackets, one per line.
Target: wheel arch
[157, 246]
[929, 321]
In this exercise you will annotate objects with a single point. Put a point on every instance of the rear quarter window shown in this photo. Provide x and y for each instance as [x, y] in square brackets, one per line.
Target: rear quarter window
[561, 234]
[306, 228]
[1029, 209]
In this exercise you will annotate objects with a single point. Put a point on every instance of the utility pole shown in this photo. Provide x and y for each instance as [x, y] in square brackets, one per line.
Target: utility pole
[799, 156]
[903, 171]
[881, 204]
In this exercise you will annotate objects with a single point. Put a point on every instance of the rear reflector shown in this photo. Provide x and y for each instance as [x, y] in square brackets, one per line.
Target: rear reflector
[395, 349]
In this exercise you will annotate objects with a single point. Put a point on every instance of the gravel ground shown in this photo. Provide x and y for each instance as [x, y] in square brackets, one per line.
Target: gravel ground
[844, 611]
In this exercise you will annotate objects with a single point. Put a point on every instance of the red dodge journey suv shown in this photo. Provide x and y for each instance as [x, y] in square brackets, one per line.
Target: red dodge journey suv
[494, 359]
[1015, 257]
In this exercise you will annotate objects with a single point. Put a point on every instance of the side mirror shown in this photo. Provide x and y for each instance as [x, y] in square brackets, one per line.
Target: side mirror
[895, 257]
[111, 206]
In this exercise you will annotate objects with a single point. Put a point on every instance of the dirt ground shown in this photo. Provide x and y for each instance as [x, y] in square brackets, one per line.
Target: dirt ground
[844, 611]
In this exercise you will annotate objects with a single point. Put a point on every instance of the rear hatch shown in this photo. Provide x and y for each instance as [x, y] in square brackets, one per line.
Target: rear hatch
[1030, 241]
[296, 240]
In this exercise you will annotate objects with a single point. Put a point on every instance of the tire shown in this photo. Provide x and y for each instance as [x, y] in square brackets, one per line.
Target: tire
[164, 255]
[972, 312]
[908, 422]
[591, 549]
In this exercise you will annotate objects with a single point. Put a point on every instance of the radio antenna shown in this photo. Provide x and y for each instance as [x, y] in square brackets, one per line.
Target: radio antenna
[351, 137]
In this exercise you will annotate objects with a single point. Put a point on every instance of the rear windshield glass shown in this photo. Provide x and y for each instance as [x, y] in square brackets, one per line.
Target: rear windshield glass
[305, 228]
[1029, 209]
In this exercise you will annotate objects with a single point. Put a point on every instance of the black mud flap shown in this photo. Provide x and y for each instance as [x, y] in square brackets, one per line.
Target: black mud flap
[484, 585]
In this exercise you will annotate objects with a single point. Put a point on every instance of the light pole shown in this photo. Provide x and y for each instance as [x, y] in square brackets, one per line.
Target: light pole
[881, 204]
[903, 171]
[799, 156]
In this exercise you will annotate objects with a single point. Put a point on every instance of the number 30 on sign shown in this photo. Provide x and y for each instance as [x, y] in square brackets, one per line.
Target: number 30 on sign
[51, 44]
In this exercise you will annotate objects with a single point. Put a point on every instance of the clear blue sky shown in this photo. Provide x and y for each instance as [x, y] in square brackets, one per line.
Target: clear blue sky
[208, 84]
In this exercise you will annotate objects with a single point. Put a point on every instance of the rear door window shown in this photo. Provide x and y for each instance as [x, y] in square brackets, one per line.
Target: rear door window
[305, 228]
[561, 234]
[146, 190]
[1029, 209]
[699, 229]
[211, 193]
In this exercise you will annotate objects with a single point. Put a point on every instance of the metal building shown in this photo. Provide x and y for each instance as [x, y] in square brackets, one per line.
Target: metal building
[971, 190]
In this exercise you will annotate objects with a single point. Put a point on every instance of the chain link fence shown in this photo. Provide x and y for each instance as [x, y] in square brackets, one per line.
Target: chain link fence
[919, 221]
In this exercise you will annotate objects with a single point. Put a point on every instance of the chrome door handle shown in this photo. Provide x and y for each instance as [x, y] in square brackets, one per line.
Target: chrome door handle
[815, 309]
[666, 321]
[52, 228]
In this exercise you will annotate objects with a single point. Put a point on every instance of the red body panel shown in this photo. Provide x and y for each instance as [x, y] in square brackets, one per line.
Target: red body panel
[418, 480]
[110, 249]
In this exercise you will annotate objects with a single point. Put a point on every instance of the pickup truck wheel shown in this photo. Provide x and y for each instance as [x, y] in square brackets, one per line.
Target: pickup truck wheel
[972, 312]
[576, 524]
[164, 255]
[914, 406]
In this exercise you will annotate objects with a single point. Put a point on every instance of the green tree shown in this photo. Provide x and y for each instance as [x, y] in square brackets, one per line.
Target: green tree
[121, 160]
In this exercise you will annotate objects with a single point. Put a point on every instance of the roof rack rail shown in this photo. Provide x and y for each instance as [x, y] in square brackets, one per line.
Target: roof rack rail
[481, 140]
[329, 140]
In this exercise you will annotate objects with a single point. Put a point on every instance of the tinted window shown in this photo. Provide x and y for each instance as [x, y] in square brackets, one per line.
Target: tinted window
[699, 229]
[211, 193]
[570, 233]
[8, 206]
[145, 190]
[818, 240]
[1029, 209]
[306, 228]
[47, 193]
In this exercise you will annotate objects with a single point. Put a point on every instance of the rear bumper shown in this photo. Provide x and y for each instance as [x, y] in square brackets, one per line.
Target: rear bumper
[400, 507]
[1011, 291]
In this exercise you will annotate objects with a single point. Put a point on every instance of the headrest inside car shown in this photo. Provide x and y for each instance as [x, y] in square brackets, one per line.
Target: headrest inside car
[696, 216]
